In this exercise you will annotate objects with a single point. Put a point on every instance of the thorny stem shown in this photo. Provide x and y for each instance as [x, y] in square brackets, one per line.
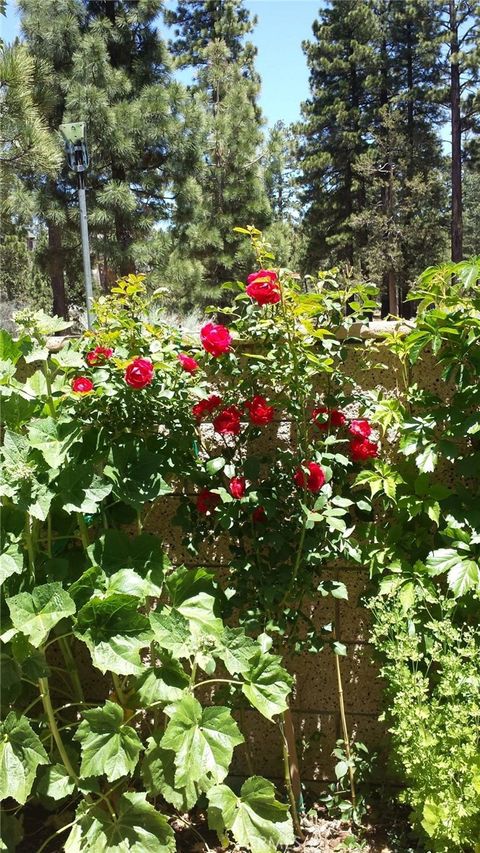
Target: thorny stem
[346, 738]
[288, 782]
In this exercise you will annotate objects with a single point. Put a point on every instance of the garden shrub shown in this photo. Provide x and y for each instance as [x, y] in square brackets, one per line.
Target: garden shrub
[100, 431]
[427, 560]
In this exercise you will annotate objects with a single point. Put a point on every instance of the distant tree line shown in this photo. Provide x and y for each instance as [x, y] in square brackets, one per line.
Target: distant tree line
[381, 175]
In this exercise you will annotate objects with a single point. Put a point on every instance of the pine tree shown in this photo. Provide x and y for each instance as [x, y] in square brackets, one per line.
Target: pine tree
[334, 130]
[228, 187]
[104, 63]
[460, 23]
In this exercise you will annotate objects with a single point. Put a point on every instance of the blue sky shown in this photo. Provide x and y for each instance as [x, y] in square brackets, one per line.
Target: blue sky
[282, 26]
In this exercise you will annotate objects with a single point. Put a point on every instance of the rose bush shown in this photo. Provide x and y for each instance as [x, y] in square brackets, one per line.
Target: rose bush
[98, 433]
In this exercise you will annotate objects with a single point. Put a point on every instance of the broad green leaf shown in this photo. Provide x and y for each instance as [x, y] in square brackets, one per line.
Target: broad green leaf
[114, 632]
[32, 661]
[53, 438]
[267, 685]
[37, 613]
[213, 466]
[11, 833]
[109, 746]
[186, 583]
[203, 740]
[144, 554]
[54, 782]
[21, 752]
[136, 828]
[164, 684]
[172, 632]
[90, 583]
[11, 680]
[257, 821]
[135, 474]
[236, 650]
[335, 588]
[11, 561]
[81, 489]
[442, 560]
[198, 610]
[158, 774]
[10, 350]
[427, 459]
[464, 577]
[129, 582]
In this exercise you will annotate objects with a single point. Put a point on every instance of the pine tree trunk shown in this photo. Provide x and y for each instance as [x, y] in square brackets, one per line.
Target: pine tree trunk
[457, 208]
[56, 270]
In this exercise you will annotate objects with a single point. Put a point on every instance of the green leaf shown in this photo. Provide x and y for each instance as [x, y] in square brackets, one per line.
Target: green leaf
[53, 438]
[158, 774]
[442, 560]
[198, 610]
[11, 833]
[164, 684]
[267, 685]
[114, 632]
[464, 577]
[10, 350]
[213, 466]
[135, 474]
[172, 632]
[21, 752]
[144, 554]
[37, 613]
[257, 821]
[54, 782]
[129, 582]
[203, 740]
[236, 650]
[109, 746]
[11, 561]
[136, 828]
[427, 459]
[339, 648]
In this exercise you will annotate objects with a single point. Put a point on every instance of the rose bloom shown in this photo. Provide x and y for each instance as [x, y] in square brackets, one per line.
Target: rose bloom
[227, 421]
[315, 479]
[98, 355]
[362, 449]
[237, 487]
[260, 413]
[139, 373]
[334, 418]
[206, 406]
[207, 501]
[259, 516]
[215, 339]
[188, 363]
[82, 385]
[263, 287]
[360, 429]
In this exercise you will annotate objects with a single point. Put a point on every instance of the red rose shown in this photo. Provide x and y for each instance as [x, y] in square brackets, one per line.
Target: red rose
[362, 449]
[227, 421]
[237, 487]
[259, 516]
[315, 479]
[98, 355]
[334, 418]
[263, 287]
[139, 373]
[360, 429]
[82, 385]
[259, 411]
[188, 363]
[207, 501]
[215, 339]
[206, 406]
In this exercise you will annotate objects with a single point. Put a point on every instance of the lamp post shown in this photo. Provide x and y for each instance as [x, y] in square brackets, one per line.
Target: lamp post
[77, 156]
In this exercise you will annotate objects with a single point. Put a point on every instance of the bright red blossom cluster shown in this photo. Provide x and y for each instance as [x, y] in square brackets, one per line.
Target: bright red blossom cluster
[237, 487]
[82, 385]
[207, 501]
[227, 422]
[333, 417]
[263, 287]
[259, 412]
[98, 355]
[313, 480]
[206, 406]
[139, 373]
[216, 339]
[188, 363]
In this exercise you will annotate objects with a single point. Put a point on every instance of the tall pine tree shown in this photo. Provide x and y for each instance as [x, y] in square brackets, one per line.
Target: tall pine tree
[228, 188]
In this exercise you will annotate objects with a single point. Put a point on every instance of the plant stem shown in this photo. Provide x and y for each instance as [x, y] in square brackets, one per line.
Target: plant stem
[49, 536]
[71, 668]
[288, 782]
[346, 738]
[215, 681]
[29, 546]
[248, 753]
[48, 383]
[118, 689]
[83, 530]
[47, 706]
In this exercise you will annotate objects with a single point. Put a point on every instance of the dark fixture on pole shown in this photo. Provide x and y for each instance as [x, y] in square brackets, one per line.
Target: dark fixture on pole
[77, 157]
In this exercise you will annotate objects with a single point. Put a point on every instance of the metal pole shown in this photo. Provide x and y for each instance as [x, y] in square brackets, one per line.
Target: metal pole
[87, 271]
